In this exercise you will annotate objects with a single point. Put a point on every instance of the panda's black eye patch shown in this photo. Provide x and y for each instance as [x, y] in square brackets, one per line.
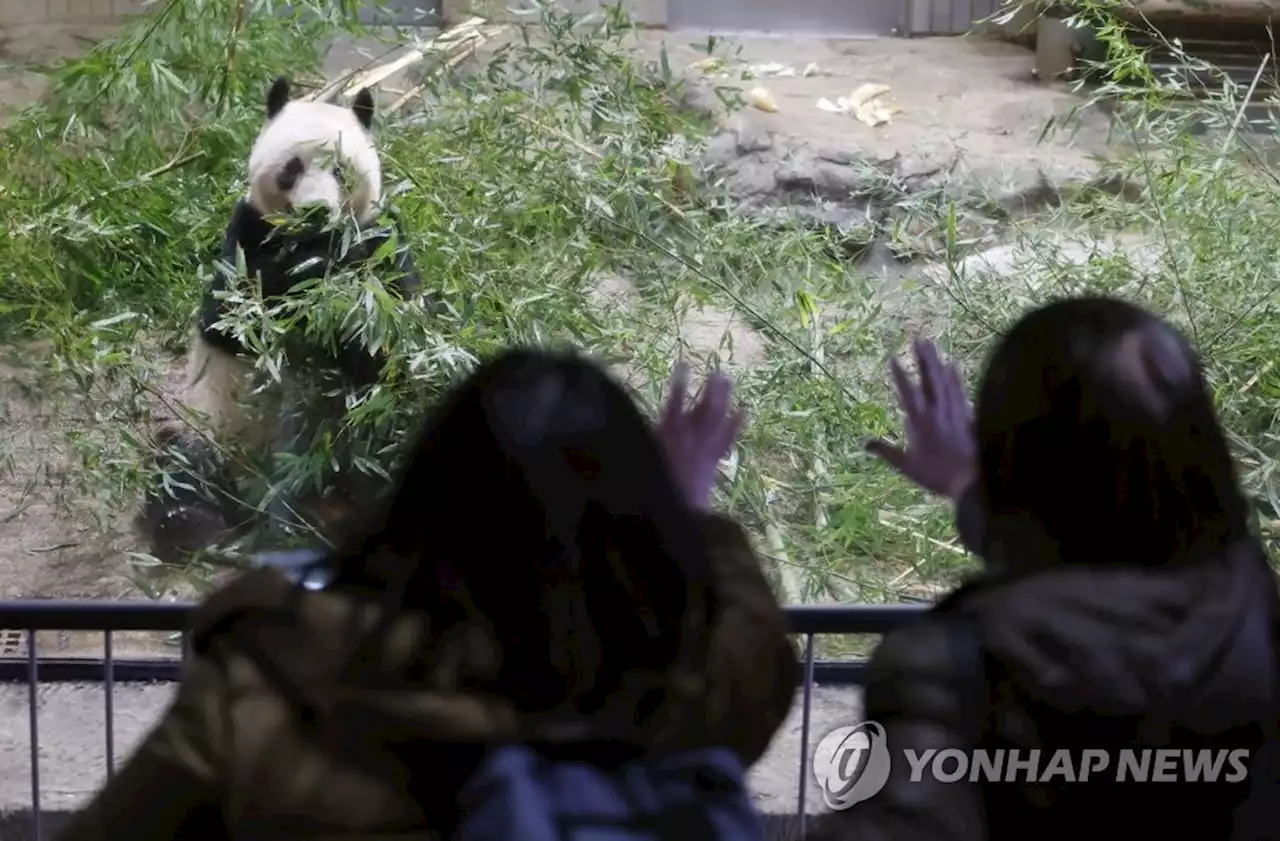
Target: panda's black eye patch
[287, 179]
[337, 171]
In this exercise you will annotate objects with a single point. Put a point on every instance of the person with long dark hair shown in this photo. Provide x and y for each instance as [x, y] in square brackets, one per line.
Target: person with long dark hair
[1124, 602]
[547, 571]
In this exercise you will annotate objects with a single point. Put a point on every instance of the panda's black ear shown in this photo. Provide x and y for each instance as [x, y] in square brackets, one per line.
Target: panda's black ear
[363, 107]
[278, 96]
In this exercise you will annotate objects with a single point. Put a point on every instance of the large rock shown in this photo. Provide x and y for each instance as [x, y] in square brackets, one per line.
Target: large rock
[970, 129]
[759, 168]
[771, 176]
[1033, 266]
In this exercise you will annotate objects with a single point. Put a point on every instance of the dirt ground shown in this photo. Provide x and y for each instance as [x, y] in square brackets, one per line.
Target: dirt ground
[48, 546]
[25, 46]
[964, 105]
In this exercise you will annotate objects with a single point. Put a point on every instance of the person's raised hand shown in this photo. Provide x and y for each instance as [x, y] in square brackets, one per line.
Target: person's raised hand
[941, 452]
[696, 439]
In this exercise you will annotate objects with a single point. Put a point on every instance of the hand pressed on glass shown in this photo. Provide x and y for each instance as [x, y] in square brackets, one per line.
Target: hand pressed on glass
[941, 452]
[696, 439]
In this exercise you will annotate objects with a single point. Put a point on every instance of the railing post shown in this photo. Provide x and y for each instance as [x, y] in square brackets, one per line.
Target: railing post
[33, 720]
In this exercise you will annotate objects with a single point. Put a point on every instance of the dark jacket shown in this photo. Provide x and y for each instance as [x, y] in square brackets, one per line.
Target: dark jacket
[266, 738]
[1080, 658]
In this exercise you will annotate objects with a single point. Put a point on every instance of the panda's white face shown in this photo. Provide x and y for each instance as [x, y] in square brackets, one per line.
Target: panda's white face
[315, 153]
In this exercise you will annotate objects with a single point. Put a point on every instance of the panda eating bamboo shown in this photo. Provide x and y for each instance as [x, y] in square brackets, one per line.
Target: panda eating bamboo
[308, 155]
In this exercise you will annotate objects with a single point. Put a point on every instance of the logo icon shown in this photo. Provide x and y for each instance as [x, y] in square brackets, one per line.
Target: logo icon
[851, 764]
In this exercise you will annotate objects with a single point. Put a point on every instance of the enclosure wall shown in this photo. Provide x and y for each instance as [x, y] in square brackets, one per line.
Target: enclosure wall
[65, 11]
[946, 17]
[845, 17]
[647, 12]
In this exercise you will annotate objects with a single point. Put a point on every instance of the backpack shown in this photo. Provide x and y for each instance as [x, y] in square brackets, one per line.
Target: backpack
[520, 791]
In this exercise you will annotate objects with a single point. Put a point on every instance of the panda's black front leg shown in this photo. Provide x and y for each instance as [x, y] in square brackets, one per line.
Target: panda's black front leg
[284, 519]
[292, 513]
[359, 367]
[195, 506]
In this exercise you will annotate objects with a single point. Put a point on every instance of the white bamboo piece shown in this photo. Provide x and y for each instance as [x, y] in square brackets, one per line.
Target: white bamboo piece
[453, 61]
[452, 39]
[447, 41]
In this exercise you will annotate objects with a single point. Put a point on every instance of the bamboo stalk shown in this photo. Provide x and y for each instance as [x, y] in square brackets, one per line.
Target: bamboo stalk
[445, 42]
[790, 578]
[453, 61]
[846, 590]
[583, 147]
[941, 544]
[1259, 374]
[456, 37]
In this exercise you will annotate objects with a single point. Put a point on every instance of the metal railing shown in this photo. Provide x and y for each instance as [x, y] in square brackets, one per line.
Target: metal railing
[109, 618]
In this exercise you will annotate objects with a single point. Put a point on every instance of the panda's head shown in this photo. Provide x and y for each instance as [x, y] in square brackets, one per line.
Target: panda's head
[315, 153]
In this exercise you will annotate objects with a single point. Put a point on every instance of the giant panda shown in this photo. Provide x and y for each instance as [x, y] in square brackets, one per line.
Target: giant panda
[308, 154]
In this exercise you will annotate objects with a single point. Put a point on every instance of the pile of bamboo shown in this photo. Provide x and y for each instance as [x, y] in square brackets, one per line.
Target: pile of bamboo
[452, 46]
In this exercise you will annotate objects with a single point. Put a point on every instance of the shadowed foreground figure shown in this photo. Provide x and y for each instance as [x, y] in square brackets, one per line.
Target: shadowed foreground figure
[541, 576]
[1123, 604]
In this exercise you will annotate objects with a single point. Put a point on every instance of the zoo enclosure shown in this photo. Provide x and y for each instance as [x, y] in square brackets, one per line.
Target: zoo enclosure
[826, 17]
[29, 821]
